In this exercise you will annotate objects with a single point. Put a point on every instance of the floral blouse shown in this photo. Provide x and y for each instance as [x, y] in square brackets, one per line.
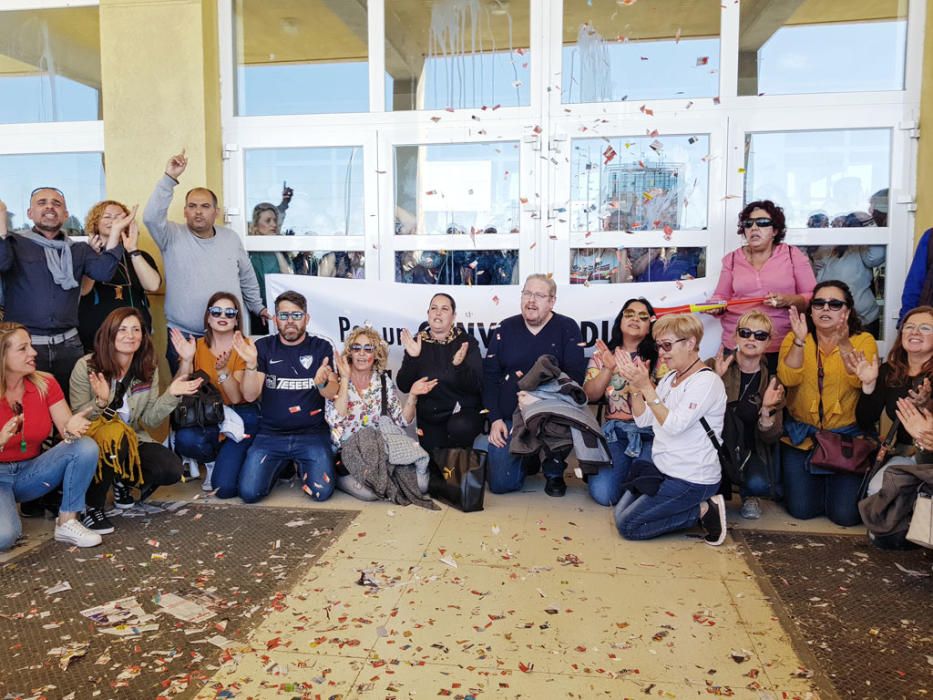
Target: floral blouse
[618, 401]
[362, 410]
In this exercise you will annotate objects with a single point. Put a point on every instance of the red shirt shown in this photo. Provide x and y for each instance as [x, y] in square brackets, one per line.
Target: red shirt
[37, 420]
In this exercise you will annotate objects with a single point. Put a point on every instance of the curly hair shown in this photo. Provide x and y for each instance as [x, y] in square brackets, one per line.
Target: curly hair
[775, 213]
[381, 356]
[97, 211]
[898, 364]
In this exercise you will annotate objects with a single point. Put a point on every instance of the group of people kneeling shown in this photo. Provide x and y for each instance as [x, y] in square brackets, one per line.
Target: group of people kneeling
[292, 398]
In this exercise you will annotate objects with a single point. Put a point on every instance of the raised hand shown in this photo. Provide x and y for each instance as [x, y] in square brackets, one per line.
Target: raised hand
[323, 372]
[605, 359]
[221, 360]
[921, 395]
[176, 165]
[460, 355]
[916, 421]
[182, 386]
[287, 193]
[185, 347]
[773, 395]
[412, 344]
[100, 386]
[798, 323]
[246, 349]
[723, 361]
[423, 386]
[343, 367]
[129, 230]
[866, 371]
[499, 433]
[635, 371]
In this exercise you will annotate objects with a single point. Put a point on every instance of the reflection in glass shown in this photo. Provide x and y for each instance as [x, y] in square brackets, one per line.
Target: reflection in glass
[618, 51]
[469, 267]
[325, 186]
[50, 65]
[639, 183]
[460, 188]
[616, 265]
[788, 46]
[308, 57]
[80, 176]
[460, 54]
[851, 166]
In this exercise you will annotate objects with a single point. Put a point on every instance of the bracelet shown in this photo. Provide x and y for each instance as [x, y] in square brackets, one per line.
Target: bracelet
[798, 343]
[323, 386]
[249, 369]
[919, 445]
[135, 253]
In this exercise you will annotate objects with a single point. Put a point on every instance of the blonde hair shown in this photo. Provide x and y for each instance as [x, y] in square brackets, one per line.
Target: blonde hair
[40, 380]
[381, 355]
[758, 317]
[681, 325]
[97, 211]
[547, 279]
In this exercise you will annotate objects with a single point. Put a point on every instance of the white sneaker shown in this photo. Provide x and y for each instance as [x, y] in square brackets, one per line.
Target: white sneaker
[73, 532]
[191, 468]
[206, 485]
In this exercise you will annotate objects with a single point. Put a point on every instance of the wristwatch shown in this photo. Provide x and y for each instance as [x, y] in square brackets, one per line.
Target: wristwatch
[656, 401]
[222, 377]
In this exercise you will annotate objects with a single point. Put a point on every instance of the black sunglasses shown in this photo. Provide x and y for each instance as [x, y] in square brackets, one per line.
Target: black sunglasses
[761, 222]
[834, 304]
[218, 311]
[748, 333]
[666, 345]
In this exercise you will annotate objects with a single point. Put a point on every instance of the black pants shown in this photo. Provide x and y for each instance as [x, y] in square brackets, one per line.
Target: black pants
[460, 430]
[160, 466]
[59, 359]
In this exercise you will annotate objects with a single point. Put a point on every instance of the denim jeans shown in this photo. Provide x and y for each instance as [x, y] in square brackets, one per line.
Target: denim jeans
[59, 359]
[506, 472]
[606, 485]
[69, 465]
[228, 456]
[809, 495]
[170, 353]
[675, 507]
[269, 453]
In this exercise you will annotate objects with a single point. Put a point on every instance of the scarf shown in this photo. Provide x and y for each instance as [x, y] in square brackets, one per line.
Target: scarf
[57, 258]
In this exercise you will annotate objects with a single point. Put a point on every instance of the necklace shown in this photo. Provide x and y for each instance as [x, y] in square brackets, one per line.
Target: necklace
[682, 376]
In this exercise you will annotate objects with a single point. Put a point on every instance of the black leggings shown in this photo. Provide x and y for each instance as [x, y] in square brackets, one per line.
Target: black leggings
[460, 430]
[160, 467]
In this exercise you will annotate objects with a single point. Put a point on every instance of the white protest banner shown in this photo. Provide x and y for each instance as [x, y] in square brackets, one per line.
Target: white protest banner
[338, 305]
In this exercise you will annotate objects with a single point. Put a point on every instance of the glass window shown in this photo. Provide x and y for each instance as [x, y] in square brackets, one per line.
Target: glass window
[50, 65]
[80, 177]
[616, 265]
[469, 267]
[460, 188]
[315, 191]
[620, 50]
[639, 183]
[862, 268]
[456, 54]
[788, 46]
[309, 57]
[817, 176]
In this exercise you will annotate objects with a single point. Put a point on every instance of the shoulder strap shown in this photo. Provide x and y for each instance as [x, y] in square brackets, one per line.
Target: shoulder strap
[710, 434]
[385, 394]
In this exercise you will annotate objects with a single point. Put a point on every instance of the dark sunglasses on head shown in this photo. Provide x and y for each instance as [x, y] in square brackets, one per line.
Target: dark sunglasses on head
[748, 333]
[356, 347]
[293, 315]
[640, 315]
[218, 311]
[834, 304]
[761, 222]
[666, 345]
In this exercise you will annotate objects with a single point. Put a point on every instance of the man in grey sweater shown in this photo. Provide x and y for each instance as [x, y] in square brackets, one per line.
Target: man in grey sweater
[199, 257]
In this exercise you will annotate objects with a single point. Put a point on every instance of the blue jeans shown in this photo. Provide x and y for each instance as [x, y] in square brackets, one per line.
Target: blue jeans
[676, 506]
[170, 353]
[506, 472]
[312, 454]
[606, 485]
[809, 495]
[228, 456]
[69, 465]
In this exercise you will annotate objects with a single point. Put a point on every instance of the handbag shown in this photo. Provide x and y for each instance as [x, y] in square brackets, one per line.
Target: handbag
[921, 523]
[203, 409]
[118, 445]
[458, 477]
[846, 454]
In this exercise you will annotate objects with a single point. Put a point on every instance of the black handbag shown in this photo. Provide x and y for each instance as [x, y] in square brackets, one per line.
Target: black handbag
[202, 409]
[458, 477]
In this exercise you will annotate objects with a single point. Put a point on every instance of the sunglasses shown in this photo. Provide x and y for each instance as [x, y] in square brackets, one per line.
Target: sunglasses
[640, 315]
[761, 222]
[218, 311]
[834, 304]
[293, 315]
[368, 349]
[666, 345]
[748, 333]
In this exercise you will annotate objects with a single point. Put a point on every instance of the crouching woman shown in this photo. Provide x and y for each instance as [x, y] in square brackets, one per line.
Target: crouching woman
[678, 488]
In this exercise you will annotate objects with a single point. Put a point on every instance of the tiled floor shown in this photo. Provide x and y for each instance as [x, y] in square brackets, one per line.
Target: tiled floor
[534, 597]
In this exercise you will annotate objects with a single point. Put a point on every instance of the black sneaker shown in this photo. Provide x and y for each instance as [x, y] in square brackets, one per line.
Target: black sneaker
[32, 509]
[146, 491]
[122, 496]
[555, 486]
[95, 520]
[714, 522]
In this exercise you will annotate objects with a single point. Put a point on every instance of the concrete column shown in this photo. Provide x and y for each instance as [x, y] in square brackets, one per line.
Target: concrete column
[924, 190]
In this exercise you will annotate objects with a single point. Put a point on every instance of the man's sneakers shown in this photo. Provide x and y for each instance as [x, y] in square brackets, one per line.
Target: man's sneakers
[555, 486]
[94, 519]
[122, 496]
[751, 508]
[73, 532]
[714, 521]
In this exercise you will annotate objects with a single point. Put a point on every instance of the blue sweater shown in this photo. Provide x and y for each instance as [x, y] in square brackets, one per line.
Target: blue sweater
[513, 349]
[917, 273]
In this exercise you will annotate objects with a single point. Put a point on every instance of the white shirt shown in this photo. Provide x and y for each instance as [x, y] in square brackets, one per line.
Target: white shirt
[681, 448]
